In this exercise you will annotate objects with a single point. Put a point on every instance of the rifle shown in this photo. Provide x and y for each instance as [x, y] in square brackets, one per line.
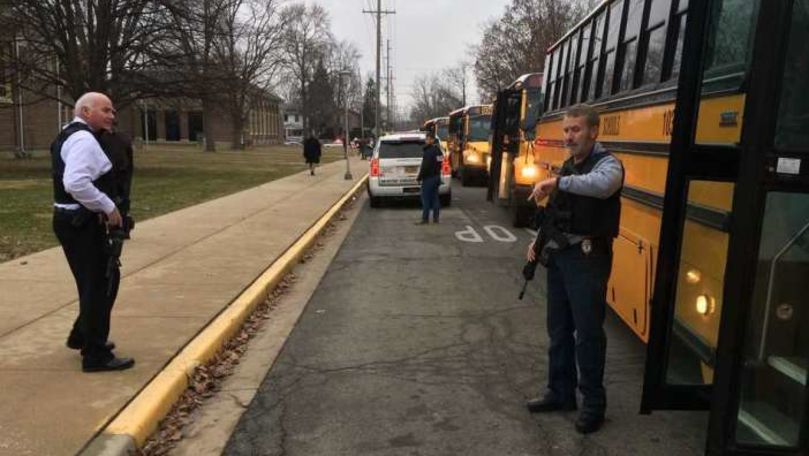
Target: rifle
[115, 244]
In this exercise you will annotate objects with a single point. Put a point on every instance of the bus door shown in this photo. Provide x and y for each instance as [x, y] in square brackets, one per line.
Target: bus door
[753, 376]
[505, 119]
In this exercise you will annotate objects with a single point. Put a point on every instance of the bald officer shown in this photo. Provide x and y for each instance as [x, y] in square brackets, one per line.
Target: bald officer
[83, 180]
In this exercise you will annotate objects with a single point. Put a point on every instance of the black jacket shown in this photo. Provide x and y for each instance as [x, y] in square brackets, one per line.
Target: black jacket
[431, 162]
[311, 150]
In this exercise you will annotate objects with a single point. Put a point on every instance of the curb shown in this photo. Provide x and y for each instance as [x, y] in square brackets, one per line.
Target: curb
[130, 428]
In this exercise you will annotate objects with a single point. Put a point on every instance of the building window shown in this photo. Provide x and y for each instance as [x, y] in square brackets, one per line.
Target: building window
[5, 74]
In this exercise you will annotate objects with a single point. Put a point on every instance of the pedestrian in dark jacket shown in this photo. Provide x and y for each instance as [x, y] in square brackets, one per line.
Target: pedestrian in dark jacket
[430, 179]
[311, 152]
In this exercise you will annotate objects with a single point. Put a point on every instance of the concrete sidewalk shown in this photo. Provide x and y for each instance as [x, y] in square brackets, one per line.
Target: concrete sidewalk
[180, 270]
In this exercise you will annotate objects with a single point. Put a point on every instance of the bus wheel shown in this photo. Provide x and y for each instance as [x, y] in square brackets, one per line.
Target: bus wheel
[466, 181]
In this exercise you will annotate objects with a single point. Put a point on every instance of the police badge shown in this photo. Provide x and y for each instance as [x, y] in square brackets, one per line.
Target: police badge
[586, 246]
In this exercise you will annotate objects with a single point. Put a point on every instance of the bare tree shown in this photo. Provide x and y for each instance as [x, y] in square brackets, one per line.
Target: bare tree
[187, 56]
[99, 45]
[516, 43]
[458, 78]
[248, 52]
[305, 41]
[433, 96]
[343, 56]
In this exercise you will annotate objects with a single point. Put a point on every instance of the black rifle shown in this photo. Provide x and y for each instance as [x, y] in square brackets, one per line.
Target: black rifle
[115, 244]
[549, 239]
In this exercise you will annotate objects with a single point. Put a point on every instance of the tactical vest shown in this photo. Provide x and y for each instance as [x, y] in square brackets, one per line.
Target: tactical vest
[585, 215]
[105, 183]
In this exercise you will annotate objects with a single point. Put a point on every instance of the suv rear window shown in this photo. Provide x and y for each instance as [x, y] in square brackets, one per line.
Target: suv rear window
[399, 149]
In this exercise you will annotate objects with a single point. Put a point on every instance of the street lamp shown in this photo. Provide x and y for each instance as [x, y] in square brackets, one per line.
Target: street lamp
[344, 75]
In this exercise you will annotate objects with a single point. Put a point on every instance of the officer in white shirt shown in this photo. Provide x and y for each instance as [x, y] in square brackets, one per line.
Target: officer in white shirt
[83, 180]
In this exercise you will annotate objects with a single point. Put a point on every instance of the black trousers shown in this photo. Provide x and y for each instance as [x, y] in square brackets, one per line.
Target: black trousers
[577, 302]
[84, 245]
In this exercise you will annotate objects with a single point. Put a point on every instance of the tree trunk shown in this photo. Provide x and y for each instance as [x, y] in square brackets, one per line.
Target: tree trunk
[237, 138]
[208, 107]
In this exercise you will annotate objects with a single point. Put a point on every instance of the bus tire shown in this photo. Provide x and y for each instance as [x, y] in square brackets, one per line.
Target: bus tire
[466, 180]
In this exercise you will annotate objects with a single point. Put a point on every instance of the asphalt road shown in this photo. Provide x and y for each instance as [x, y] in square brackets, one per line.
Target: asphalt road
[415, 343]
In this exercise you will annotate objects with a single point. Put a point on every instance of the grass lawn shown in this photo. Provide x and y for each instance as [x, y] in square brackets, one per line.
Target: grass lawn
[167, 178]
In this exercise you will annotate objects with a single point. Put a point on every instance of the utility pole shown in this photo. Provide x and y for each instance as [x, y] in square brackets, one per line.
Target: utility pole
[387, 86]
[379, 14]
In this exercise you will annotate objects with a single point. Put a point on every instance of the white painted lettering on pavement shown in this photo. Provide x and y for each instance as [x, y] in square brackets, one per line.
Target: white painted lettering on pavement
[504, 235]
[468, 235]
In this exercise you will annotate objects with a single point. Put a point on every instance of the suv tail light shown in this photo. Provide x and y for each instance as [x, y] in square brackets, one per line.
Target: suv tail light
[445, 169]
[374, 167]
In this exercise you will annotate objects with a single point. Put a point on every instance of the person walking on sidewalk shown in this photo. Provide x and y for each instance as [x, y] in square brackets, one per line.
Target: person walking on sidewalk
[311, 152]
[430, 178]
[83, 185]
[575, 243]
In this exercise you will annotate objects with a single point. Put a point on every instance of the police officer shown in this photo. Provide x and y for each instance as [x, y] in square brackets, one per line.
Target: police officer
[83, 180]
[430, 178]
[575, 242]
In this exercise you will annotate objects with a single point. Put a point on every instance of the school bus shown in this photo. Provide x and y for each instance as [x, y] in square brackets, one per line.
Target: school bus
[512, 170]
[469, 143]
[733, 182]
[635, 98]
[440, 127]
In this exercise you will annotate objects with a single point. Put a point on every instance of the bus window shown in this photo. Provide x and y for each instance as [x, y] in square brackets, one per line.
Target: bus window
[609, 53]
[479, 127]
[733, 29]
[679, 29]
[546, 83]
[656, 34]
[592, 68]
[579, 79]
[557, 55]
[441, 131]
[570, 89]
[792, 130]
[630, 44]
[559, 99]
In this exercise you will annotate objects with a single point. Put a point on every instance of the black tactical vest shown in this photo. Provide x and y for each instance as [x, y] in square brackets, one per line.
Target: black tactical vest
[105, 183]
[585, 215]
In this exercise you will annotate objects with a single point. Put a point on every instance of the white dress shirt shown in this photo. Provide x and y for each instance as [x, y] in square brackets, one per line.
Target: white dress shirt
[84, 163]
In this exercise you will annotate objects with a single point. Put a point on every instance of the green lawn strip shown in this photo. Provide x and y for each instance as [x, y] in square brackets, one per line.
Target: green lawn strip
[166, 179]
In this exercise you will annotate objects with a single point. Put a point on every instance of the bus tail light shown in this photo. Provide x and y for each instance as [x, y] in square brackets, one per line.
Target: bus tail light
[374, 167]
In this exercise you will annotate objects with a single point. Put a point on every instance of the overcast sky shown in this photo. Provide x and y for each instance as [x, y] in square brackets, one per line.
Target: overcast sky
[425, 35]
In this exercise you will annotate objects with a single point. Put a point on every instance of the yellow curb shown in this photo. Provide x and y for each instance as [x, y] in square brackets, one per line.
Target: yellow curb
[140, 417]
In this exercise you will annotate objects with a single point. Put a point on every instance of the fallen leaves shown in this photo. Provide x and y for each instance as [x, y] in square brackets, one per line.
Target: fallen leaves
[206, 380]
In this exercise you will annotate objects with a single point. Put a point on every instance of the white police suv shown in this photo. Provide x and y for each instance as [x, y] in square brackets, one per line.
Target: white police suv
[395, 166]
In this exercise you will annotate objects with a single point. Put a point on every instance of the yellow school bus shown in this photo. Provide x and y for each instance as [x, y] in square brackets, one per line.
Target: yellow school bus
[512, 170]
[625, 63]
[469, 143]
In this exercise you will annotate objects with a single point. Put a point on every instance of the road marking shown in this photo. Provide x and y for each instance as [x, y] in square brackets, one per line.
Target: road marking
[496, 232]
[468, 235]
[504, 235]
[531, 232]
